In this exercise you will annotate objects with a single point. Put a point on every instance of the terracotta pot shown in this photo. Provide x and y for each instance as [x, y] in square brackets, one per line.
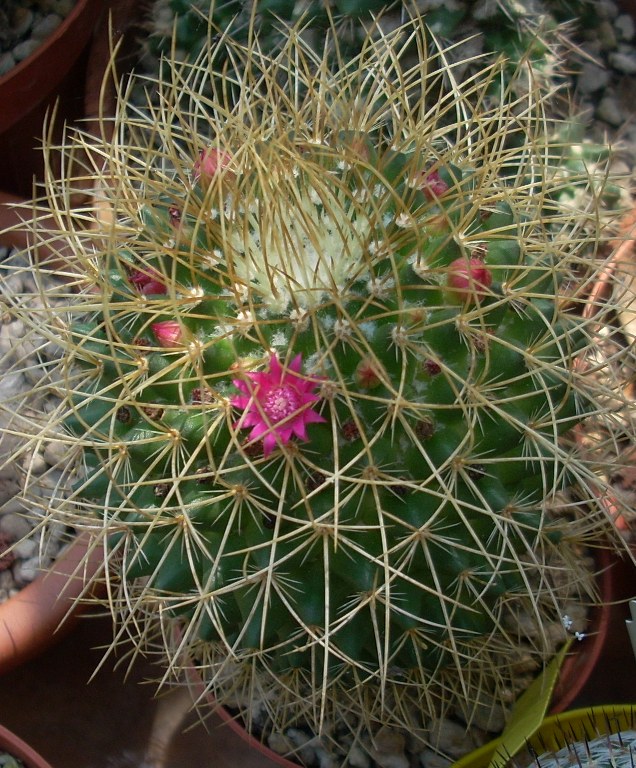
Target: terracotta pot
[53, 75]
[104, 26]
[46, 609]
[14, 746]
[616, 281]
[579, 665]
[559, 730]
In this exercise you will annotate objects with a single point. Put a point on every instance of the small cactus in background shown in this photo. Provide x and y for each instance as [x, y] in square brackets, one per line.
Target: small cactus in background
[600, 737]
[319, 374]
[616, 750]
[537, 33]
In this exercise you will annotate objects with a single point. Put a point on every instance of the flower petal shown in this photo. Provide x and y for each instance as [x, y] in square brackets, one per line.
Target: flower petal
[276, 403]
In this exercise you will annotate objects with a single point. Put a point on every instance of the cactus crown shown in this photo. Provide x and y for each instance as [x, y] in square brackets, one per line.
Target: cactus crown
[318, 371]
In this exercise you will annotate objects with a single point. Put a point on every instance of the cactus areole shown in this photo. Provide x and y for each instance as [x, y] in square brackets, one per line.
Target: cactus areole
[322, 379]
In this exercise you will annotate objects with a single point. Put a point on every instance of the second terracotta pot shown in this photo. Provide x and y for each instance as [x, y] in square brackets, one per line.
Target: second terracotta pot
[42, 612]
[16, 747]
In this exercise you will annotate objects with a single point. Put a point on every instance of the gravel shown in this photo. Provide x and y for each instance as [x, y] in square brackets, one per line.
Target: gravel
[25, 25]
[28, 542]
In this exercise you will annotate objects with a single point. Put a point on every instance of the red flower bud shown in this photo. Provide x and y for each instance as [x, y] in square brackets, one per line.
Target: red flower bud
[469, 279]
[147, 283]
[168, 333]
[368, 374]
[210, 164]
[432, 185]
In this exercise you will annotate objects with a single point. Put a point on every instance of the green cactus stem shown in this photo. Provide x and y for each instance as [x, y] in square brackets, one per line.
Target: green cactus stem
[320, 373]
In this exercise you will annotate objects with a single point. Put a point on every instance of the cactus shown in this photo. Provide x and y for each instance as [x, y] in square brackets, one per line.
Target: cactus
[319, 374]
[535, 32]
[616, 750]
[600, 737]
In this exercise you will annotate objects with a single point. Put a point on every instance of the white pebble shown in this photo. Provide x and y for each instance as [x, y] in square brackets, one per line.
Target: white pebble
[485, 9]
[450, 737]
[592, 77]
[7, 62]
[489, 717]
[25, 549]
[278, 743]
[8, 489]
[34, 463]
[386, 760]
[302, 742]
[25, 571]
[325, 759]
[6, 583]
[429, 758]
[609, 110]
[624, 25]
[389, 747]
[358, 757]
[21, 21]
[606, 9]
[25, 49]
[16, 526]
[624, 62]
[10, 335]
[389, 740]
[56, 453]
[607, 36]
[46, 26]
[12, 284]
[11, 384]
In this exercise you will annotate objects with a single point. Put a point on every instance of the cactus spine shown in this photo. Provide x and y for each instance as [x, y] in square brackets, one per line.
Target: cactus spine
[319, 372]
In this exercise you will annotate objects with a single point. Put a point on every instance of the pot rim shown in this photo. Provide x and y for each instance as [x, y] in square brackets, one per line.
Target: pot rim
[15, 746]
[49, 64]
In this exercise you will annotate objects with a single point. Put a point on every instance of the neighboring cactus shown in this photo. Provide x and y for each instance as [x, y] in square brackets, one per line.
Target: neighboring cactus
[616, 750]
[534, 32]
[599, 737]
[320, 370]
[182, 25]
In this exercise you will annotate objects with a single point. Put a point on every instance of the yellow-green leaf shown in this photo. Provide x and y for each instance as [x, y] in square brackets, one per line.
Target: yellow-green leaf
[528, 712]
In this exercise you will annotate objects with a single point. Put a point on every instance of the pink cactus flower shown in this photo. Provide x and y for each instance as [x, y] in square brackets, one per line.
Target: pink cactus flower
[276, 403]
[432, 185]
[209, 163]
[168, 333]
[148, 282]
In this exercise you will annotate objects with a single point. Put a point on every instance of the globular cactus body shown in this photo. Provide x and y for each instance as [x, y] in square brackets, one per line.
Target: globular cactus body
[323, 378]
[350, 433]
[616, 750]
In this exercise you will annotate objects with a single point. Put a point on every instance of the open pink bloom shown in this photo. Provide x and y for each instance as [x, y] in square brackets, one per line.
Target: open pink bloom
[432, 185]
[168, 333]
[147, 282]
[276, 403]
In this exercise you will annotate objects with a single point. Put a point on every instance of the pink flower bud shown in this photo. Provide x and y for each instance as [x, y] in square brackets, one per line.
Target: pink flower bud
[210, 163]
[148, 282]
[432, 185]
[469, 279]
[168, 333]
[367, 374]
